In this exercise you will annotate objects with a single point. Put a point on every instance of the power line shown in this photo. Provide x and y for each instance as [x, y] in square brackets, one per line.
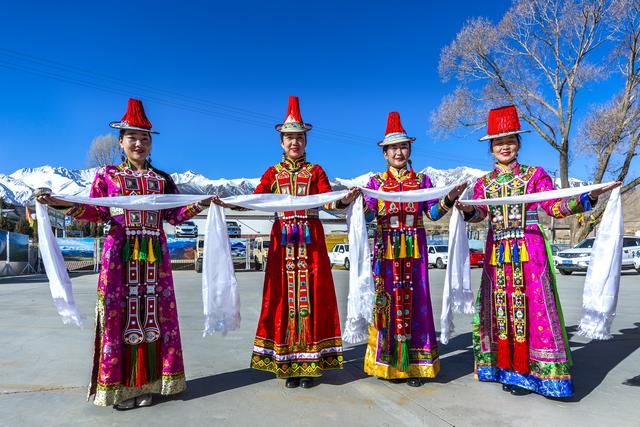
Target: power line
[86, 78]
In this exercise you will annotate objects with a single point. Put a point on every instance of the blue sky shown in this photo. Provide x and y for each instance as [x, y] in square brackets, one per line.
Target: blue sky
[215, 77]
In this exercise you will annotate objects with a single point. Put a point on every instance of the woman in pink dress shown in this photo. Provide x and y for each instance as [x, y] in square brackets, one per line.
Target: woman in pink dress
[519, 337]
[137, 348]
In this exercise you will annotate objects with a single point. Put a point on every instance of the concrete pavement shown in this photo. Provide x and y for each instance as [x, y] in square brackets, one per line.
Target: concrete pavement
[44, 368]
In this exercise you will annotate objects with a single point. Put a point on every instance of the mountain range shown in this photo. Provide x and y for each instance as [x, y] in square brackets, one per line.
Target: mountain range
[18, 187]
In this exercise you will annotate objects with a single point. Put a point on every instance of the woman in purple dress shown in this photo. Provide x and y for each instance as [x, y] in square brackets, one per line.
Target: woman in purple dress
[519, 338]
[137, 348]
[402, 339]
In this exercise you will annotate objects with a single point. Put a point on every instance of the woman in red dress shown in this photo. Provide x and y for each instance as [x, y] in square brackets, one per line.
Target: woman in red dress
[298, 335]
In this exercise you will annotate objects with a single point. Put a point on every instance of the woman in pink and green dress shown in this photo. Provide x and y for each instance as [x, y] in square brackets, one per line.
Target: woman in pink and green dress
[402, 338]
[137, 349]
[519, 337]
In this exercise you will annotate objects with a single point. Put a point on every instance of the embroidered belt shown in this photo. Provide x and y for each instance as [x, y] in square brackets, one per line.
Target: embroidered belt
[310, 213]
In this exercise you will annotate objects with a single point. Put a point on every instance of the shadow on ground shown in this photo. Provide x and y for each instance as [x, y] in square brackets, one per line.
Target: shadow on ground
[595, 359]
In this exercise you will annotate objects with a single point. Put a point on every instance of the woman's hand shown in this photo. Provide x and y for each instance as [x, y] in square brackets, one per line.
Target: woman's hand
[47, 199]
[464, 208]
[351, 196]
[596, 193]
[457, 191]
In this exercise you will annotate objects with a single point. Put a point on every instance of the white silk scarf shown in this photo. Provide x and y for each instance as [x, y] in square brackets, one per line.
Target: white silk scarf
[601, 286]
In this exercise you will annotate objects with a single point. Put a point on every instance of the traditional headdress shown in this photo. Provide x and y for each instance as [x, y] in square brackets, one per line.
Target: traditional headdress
[503, 121]
[293, 121]
[395, 133]
[134, 119]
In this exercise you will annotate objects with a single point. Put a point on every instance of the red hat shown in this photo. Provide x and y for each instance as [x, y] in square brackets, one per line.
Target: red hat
[503, 121]
[293, 122]
[395, 133]
[134, 119]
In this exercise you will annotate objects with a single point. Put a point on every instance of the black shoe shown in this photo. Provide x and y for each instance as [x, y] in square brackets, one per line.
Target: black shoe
[414, 382]
[306, 382]
[292, 382]
[397, 380]
[507, 387]
[519, 391]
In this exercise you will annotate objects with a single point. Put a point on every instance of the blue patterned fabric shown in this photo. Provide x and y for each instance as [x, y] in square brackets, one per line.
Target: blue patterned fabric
[551, 388]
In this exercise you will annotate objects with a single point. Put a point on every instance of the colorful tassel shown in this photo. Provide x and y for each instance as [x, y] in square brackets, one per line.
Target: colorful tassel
[524, 254]
[396, 245]
[521, 357]
[126, 250]
[151, 257]
[307, 234]
[388, 254]
[515, 255]
[402, 252]
[157, 249]
[416, 247]
[304, 330]
[294, 233]
[283, 240]
[493, 258]
[409, 239]
[501, 253]
[142, 255]
[504, 356]
[152, 354]
[403, 356]
[136, 249]
[507, 252]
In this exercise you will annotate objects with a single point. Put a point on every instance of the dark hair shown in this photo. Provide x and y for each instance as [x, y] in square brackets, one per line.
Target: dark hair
[122, 132]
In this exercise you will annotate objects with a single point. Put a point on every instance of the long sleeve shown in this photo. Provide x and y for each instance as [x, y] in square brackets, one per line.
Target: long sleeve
[267, 182]
[371, 203]
[560, 208]
[324, 186]
[434, 209]
[179, 215]
[99, 188]
[479, 212]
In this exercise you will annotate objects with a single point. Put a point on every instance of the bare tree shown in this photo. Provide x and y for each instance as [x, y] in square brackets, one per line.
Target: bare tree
[611, 131]
[104, 150]
[537, 57]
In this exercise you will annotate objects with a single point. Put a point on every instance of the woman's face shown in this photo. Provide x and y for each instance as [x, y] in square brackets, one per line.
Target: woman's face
[398, 154]
[136, 145]
[294, 144]
[505, 149]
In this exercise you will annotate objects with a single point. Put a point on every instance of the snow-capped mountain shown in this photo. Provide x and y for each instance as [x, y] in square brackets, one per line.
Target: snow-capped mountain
[18, 187]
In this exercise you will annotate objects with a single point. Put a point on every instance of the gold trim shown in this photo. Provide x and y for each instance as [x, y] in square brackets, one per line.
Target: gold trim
[107, 395]
[371, 367]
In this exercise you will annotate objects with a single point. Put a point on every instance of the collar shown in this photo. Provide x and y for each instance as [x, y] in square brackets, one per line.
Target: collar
[400, 174]
[513, 167]
[294, 165]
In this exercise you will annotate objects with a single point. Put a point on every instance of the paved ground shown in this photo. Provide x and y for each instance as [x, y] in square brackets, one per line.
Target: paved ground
[44, 367]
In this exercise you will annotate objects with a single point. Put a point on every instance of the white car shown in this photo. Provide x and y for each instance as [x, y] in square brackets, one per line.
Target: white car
[339, 255]
[577, 259]
[438, 255]
[187, 229]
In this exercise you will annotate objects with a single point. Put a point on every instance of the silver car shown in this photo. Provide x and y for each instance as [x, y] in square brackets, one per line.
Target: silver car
[187, 229]
[577, 259]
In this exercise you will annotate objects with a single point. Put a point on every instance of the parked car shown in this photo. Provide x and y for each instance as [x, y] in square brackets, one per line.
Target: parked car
[199, 253]
[636, 261]
[476, 257]
[577, 259]
[259, 252]
[233, 229]
[187, 229]
[339, 255]
[555, 248]
[438, 255]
